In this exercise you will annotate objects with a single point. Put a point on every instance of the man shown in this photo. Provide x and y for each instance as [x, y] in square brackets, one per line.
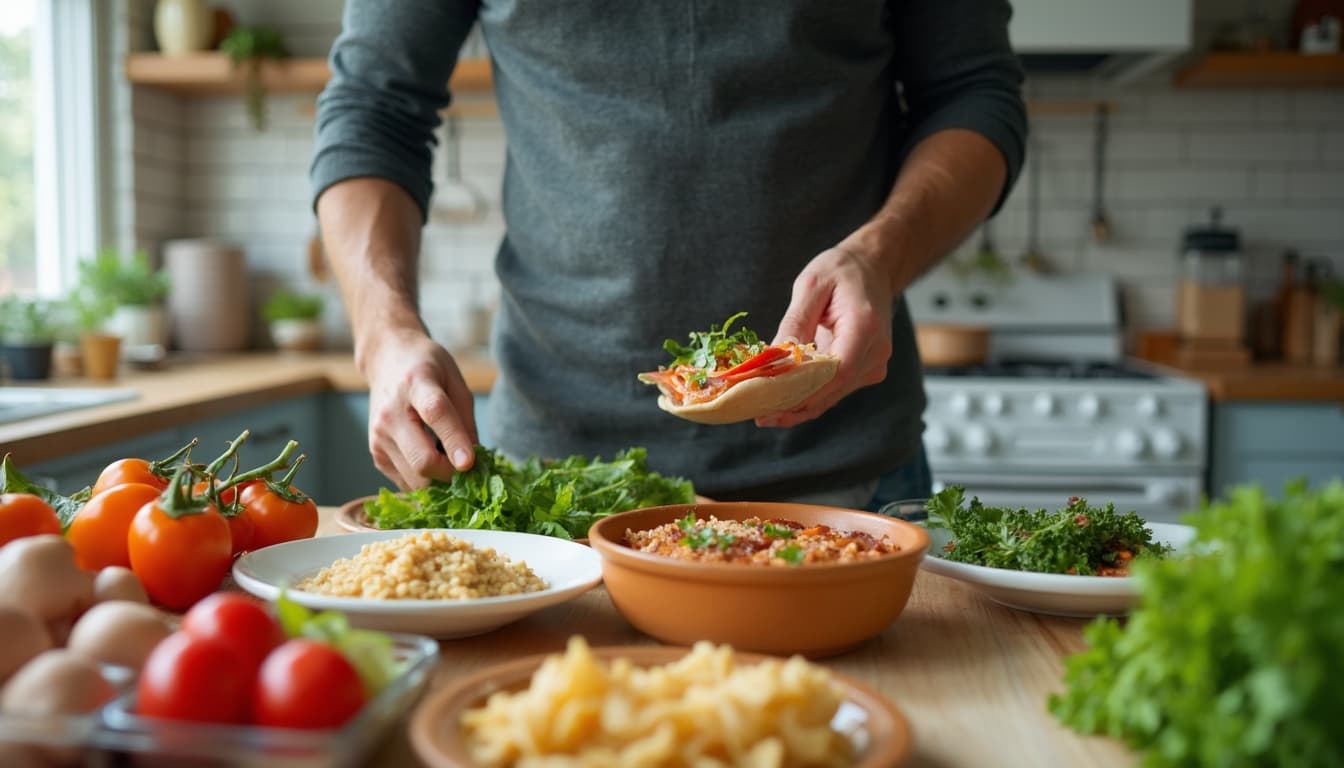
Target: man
[670, 163]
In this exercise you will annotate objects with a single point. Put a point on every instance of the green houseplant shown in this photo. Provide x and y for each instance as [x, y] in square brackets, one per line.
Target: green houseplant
[99, 349]
[131, 291]
[294, 319]
[248, 47]
[28, 337]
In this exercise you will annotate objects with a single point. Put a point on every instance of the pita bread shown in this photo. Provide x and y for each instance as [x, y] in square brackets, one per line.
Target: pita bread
[760, 396]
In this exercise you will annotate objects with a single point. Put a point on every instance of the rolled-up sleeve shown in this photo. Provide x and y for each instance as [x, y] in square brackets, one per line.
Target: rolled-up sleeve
[389, 80]
[957, 69]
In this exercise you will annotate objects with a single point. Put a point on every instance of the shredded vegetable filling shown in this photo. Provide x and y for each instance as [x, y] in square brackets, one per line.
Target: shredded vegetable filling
[754, 541]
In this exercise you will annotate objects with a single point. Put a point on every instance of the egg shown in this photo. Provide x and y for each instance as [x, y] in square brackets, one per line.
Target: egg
[119, 632]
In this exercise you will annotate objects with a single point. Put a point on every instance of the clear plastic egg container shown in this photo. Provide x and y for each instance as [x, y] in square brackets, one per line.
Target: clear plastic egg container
[114, 735]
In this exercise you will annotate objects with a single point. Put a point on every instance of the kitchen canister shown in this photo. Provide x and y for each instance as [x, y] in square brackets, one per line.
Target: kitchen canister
[208, 295]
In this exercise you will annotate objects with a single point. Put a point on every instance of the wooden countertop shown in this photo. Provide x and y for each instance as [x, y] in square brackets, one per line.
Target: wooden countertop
[1271, 382]
[193, 389]
[970, 675]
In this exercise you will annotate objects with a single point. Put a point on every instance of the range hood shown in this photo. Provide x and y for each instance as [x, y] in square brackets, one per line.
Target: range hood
[1113, 40]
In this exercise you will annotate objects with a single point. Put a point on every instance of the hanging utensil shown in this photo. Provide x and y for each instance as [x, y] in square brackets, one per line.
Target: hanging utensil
[1033, 257]
[455, 199]
[1101, 225]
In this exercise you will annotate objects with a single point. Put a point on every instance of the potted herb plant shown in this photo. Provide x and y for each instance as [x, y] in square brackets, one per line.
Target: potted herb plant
[135, 292]
[248, 47]
[100, 349]
[294, 319]
[27, 338]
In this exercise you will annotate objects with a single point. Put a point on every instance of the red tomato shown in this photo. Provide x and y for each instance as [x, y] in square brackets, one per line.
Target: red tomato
[241, 622]
[124, 471]
[98, 532]
[24, 514]
[194, 678]
[179, 559]
[242, 532]
[306, 684]
[241, 527]
[277, 519]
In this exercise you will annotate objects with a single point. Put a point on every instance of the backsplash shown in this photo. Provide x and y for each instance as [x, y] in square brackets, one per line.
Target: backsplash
[1274, 161]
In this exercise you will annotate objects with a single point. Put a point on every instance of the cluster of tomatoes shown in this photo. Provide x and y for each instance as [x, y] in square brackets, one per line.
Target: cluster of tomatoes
[176, 524]
[229, 662]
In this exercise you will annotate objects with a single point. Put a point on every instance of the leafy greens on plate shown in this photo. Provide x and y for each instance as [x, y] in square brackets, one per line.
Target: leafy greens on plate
[1079, 540]
[1235, 653]
[555, 498]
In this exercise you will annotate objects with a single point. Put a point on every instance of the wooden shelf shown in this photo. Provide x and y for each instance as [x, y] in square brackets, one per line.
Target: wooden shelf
[1272, 69]
[211, 73]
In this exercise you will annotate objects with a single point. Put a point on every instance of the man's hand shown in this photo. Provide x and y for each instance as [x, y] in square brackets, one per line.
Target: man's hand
[841, 301]
[413, 384]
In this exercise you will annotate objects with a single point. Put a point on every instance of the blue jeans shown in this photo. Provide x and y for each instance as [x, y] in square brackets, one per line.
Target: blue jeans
[911, 480]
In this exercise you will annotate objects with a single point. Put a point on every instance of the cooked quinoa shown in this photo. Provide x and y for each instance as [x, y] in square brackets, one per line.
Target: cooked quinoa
[429, 565]
[757, 542]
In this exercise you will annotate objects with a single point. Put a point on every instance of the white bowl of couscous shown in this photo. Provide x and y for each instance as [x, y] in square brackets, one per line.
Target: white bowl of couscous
[439, 582]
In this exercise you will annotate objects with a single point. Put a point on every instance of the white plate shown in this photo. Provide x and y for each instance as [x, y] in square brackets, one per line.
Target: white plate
[567, 568]
[1056, 594]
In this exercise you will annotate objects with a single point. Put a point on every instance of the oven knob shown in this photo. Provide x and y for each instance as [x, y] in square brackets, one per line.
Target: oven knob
[1089, 407]
[961, 404]
[1167, 443]
[993, 405]
[1130, 443]
[937, 440]
[1044, 404]
[979, 440]
[1149, 406]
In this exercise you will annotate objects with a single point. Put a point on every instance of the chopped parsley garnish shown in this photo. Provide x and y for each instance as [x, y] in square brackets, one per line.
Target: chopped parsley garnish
[1078, 539]
[792, 554]
[773, 531]
[706, 349]
[703, 537]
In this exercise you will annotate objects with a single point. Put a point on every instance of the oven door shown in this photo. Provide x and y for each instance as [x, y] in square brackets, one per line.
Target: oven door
[1157, 499]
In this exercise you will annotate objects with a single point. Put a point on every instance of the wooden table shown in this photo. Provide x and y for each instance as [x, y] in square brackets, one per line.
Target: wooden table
[971, 676]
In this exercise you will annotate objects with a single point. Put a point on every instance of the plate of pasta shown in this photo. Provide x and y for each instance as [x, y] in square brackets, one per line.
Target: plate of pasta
[657, 705]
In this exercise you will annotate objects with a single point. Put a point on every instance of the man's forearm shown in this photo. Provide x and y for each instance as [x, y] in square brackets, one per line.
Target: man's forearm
[947, 186]
[371, 234]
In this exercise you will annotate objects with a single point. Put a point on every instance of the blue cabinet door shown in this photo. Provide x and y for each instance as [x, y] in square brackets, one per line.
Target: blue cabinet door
[1273, 443]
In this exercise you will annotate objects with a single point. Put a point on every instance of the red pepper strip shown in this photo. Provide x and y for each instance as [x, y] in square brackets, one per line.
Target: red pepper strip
[764, 357]
[781, 366]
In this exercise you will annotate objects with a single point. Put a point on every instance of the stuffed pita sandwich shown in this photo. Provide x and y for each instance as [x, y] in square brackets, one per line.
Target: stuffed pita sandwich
[722, 377]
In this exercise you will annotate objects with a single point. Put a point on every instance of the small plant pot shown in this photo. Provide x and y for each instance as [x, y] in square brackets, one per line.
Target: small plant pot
[139, 326]
[297, 335]
[28, 362]
[102, 355]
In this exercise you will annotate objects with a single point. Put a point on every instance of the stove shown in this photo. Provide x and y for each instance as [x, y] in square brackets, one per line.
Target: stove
[1057, 410]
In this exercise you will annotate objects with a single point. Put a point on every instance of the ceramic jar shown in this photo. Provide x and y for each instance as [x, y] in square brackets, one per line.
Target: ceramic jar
[208, 303]
[183, 26]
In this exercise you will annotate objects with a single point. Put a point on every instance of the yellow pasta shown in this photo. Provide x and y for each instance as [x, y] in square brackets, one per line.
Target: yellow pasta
[704, 710]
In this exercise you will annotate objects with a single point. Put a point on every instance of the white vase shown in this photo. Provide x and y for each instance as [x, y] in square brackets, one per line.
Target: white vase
[297, 335]
[183, 26]
[139, 326]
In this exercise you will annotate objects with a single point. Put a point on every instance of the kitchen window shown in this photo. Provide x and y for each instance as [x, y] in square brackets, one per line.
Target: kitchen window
[49, 133]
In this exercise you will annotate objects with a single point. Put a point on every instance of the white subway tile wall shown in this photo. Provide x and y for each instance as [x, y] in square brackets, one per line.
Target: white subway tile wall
[1273, 160]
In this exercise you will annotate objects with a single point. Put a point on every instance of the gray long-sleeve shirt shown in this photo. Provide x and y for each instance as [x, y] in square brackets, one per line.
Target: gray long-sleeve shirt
[671, 162]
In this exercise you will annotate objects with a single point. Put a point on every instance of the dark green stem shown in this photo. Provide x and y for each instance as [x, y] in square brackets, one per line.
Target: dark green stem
[161, 468]
[176, 501]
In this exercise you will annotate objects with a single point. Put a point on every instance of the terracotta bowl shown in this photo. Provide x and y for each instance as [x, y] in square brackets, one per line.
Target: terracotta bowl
[814, 610]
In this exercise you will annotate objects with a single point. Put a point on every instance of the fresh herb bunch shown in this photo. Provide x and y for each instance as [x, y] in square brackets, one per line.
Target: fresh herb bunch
[1079, 539]
[1234, 653]
[707, 349]
[560, 498]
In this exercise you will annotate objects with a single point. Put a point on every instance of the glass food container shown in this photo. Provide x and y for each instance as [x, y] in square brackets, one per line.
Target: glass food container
[1211, 300]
